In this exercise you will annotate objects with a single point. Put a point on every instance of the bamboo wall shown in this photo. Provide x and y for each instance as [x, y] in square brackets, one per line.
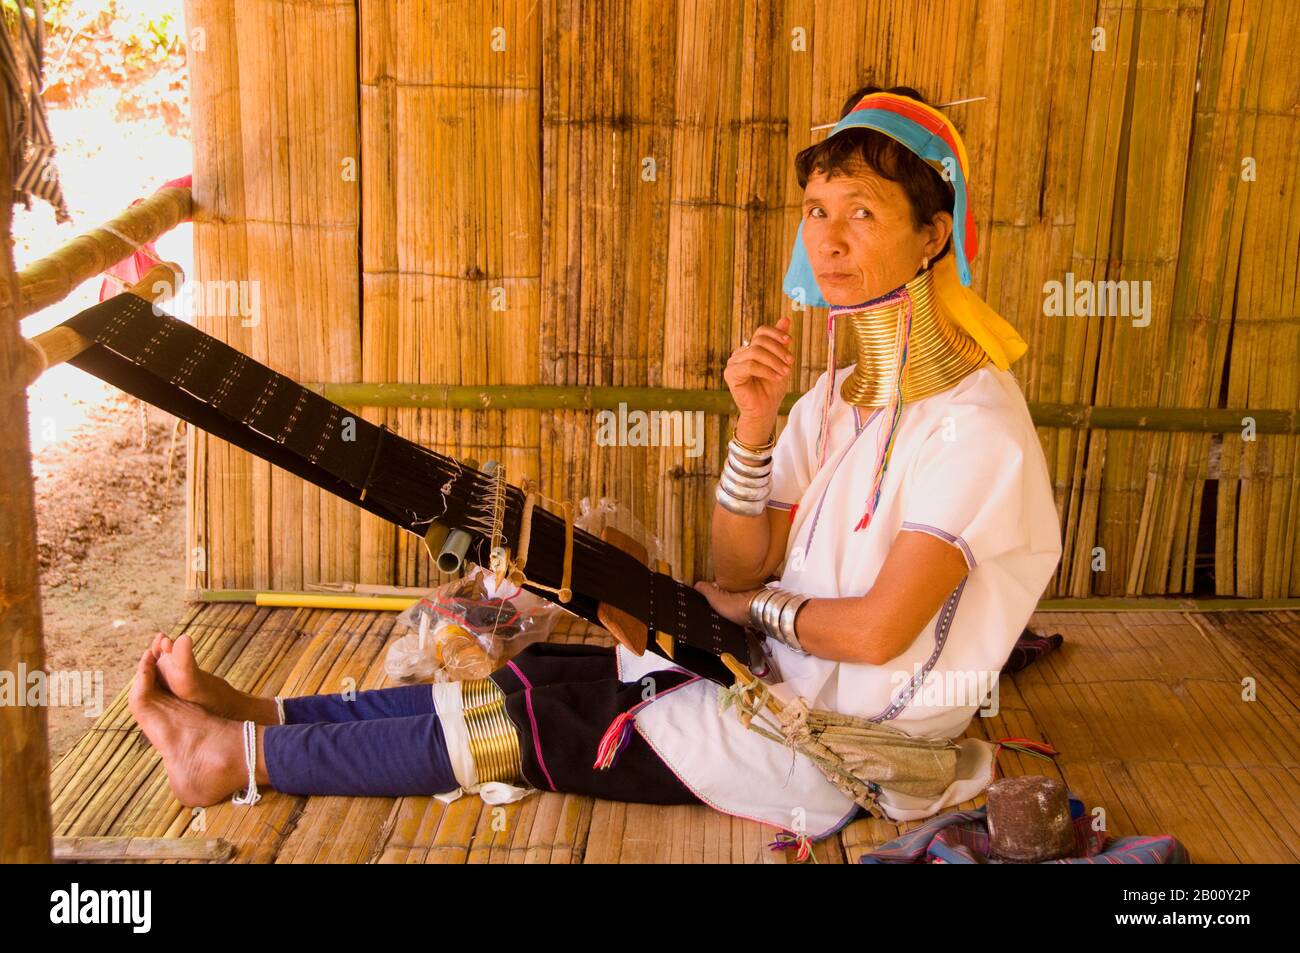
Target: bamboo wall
[502, 229]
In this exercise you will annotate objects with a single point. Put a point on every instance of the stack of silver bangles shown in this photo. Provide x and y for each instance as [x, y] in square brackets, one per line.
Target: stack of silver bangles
[746, 480]
[773, 611]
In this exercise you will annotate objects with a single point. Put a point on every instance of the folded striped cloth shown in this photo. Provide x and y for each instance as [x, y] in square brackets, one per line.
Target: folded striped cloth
[1029, 648]
[961, 837]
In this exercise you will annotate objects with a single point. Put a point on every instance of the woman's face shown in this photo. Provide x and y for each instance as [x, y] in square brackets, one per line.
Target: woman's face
[859, 234]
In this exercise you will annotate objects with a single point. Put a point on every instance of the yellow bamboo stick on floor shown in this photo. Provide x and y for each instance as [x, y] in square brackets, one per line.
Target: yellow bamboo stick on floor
[300, 600]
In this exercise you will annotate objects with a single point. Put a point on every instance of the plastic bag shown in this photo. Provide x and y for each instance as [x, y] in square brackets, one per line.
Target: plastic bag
[606, 511]
[462, 629]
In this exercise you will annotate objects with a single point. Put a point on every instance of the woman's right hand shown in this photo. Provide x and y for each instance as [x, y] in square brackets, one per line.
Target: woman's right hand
[758, 375]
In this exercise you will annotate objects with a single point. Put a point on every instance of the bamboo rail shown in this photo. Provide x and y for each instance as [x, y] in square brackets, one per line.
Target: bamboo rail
[558, 397]
[52, 278]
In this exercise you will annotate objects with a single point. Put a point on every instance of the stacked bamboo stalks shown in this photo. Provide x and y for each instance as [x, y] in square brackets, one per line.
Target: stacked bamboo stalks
[653, 235]
[276, 185]
[1257, 544]
[451, 232]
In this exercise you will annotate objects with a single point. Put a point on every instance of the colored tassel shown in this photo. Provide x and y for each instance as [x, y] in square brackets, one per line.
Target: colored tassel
[800, 843]
[893, 413]
[823, 435]
[615, 740]
[1037, 749]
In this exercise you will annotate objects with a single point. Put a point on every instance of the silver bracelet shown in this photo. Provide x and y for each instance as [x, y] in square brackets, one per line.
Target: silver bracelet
[773, 612]
[745, 483]
[751, 457]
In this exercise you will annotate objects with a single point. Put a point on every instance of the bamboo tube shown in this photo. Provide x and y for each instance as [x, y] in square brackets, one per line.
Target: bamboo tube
[62, 343]
[315, 600]
[51, 279]
[24, 753]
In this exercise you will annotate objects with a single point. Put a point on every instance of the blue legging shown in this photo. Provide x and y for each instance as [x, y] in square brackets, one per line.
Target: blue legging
[384, 742]
[388, 742]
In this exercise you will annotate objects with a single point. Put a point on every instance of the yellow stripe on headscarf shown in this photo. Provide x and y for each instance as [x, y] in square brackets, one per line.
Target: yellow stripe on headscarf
[972, 313]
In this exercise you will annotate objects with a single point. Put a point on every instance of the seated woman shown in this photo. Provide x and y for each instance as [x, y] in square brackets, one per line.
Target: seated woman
[906, 510]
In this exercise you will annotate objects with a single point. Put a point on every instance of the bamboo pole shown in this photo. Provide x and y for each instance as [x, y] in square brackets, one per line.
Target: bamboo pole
[52, 278]
[319, 600]
[62, 343]
[560, 397]
[24, 744]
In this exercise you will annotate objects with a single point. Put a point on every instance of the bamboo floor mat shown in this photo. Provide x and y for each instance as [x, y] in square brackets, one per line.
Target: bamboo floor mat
[1148, 710]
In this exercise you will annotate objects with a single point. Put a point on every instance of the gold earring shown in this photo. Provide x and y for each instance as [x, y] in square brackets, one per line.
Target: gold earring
[925, 262]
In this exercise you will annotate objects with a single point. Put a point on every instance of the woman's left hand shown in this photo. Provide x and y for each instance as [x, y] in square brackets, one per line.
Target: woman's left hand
[733, 606]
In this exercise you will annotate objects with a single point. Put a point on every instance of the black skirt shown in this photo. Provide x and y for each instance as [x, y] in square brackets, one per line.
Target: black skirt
[562, 698]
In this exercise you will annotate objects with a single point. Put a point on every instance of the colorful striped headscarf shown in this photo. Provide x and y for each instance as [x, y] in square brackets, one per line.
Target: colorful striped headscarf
[931, 135]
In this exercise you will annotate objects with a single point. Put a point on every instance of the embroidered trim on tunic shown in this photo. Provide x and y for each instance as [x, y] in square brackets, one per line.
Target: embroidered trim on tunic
[817, 515]
[947, 537]
[941, 628]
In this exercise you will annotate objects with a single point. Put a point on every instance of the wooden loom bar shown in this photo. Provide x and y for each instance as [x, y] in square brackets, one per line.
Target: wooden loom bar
[52, 278]
[61, 343]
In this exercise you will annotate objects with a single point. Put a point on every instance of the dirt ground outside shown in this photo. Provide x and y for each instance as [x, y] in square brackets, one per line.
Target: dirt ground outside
[110, 512]
[111, 537]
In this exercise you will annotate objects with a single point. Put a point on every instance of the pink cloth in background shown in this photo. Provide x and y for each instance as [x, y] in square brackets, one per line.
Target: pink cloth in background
[136, 265]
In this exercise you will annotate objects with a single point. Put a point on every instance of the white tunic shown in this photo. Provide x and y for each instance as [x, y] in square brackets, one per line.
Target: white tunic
[967, 467]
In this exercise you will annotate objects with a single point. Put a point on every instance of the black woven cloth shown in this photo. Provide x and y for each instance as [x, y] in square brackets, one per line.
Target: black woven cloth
[176, 367]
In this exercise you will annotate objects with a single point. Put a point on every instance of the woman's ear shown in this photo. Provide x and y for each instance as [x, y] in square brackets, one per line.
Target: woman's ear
[939, 232]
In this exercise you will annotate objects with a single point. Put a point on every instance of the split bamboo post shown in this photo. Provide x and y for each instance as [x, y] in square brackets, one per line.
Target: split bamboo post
[52, 278]
[24, 745]
[62, 343]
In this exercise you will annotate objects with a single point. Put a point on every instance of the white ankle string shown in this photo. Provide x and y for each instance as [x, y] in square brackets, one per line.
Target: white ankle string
[279, 709]
[250, 758]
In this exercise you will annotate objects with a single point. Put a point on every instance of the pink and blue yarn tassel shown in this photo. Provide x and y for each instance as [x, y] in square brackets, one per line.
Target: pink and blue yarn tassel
[893, 411]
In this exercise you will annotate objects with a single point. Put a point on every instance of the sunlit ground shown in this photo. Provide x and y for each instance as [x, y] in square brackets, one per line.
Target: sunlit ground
[104, 166]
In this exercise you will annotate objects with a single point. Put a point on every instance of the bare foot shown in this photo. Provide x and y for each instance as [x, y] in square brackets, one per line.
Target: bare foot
[180, 674]
[202, 754]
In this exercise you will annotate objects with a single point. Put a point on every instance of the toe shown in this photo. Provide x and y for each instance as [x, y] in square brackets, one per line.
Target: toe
[147, 672]
[143, 682]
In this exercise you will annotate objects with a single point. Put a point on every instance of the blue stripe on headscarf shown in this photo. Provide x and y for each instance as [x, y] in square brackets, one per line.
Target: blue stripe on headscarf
[800, 281]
